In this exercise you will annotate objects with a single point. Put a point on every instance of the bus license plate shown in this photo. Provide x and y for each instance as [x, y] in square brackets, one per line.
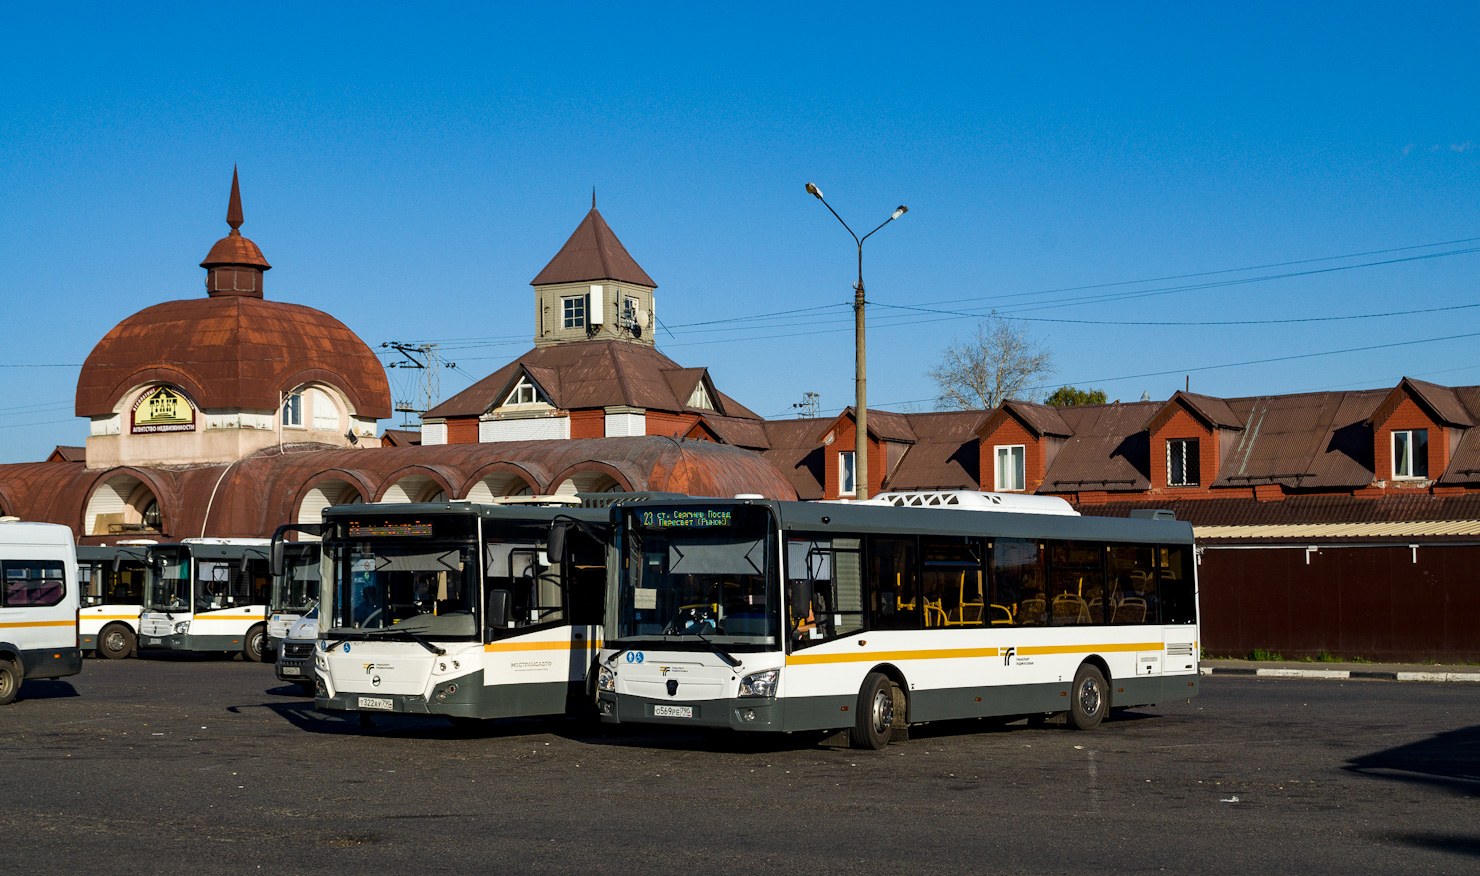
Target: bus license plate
[153, 641]
[292, 670]
[376, 703]
[673, 711]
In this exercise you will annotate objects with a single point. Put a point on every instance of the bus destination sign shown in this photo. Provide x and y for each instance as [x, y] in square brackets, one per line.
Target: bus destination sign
[386, 529]
[687, 518]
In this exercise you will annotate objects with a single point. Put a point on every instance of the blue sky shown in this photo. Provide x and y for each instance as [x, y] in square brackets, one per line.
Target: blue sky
[410, 171]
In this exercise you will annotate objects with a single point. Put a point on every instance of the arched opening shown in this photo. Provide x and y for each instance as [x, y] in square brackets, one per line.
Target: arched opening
[122, 505]
[500, 483]
[331, 491]
[413, 488]
[589, 482]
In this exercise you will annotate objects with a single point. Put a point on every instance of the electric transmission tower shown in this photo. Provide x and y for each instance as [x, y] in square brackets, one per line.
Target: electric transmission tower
[425, 358]
[807, 406]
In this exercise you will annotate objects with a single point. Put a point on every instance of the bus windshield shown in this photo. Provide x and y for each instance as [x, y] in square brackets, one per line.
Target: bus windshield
[414, 579]
[698, 576]
[169, 580]
[297, 591]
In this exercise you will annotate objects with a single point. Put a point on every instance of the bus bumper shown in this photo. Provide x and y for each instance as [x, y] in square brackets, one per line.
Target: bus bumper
[51, 662]
[739, 713]
[188, 642]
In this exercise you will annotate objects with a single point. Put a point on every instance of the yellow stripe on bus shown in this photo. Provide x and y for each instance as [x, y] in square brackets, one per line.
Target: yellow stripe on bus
[1032, 650]
[111, 617]
[540, 646]
[962, 653]
[858, 656]
[63, 623]
[206, 617]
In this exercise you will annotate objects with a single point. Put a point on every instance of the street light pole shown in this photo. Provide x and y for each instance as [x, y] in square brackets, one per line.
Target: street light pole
[860, 378]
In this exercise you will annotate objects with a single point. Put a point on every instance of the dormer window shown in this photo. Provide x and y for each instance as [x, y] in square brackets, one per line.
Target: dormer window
[1411, 453]
[524, 393]
[1182, 462]
[573, 309]
[699, 398]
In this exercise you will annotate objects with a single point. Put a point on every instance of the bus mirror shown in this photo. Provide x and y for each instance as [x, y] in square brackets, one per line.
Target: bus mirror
[276, 560]
[555, 544]
[799, 597]
[117, 562]
[498, 609]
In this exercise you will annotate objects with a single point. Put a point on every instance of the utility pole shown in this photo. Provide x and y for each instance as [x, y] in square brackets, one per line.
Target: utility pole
[425, 358]
[808, 405]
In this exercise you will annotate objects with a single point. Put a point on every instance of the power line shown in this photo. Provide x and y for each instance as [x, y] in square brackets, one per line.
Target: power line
[1140, 322]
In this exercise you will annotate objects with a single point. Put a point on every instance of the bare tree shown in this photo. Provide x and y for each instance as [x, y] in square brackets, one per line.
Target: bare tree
[1001, 361]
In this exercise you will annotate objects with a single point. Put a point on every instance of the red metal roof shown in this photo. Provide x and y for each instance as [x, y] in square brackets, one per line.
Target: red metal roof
[593, 252]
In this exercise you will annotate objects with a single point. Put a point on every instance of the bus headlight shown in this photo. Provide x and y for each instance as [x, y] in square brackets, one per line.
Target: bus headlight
[760, 684]
[182, 627]
[606, 680]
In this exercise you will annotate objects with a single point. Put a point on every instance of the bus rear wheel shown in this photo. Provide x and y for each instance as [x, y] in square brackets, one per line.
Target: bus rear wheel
[256, 639]
[116, 642]
[10, 681]
[874, 716]
[1090, 698]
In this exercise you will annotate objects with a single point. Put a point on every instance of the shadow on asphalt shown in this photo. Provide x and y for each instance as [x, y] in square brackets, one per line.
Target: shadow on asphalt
[45, 689]
[1447, 760]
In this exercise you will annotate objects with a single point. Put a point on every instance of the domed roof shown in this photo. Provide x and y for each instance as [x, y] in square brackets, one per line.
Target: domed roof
[232, 353]
[233, 350]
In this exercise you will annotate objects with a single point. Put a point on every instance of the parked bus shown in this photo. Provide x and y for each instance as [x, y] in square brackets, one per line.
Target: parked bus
[207, 594]
[867, 616]
[459, 609]
[111, 579]
[295, 592]
[38, 604]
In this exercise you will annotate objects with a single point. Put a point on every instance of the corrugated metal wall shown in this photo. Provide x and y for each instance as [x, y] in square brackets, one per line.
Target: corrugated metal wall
[1373, 602]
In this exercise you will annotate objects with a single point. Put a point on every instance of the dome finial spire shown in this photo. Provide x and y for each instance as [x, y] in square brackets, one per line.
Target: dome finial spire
[593, 197]
[234, 208]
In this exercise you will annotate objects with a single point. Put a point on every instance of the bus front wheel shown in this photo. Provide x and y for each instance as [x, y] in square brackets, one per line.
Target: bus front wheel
[116, 642]
[874, 717]
[256, 638]
[1090, 698]
[10, 681]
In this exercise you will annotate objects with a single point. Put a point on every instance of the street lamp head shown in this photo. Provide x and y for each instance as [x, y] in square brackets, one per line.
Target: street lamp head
[814, 191]
[900, 212]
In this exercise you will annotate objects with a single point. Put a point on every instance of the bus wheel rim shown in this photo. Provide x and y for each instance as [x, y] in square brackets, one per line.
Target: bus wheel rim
[113, 641]
[883, 711]
[1089, 696]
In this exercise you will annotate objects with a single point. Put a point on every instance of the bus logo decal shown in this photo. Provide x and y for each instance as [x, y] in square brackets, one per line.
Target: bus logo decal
[1007, 655]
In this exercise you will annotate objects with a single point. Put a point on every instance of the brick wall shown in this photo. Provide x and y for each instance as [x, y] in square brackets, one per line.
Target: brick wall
[462, 430]
[1182, 424]
[588, 424]
[1408, 415]
[1010, 431]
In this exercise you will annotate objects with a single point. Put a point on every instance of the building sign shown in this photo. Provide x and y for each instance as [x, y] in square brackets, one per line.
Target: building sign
[163, 410]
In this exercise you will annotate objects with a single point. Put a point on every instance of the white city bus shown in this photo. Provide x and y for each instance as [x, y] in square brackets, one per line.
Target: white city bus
[295, 592]
[787, 616]
[207, 594]
[38, 604]
[459, 609]
[111, 579]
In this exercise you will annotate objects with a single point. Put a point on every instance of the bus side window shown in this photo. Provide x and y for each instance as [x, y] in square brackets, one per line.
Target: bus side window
[1077, 583]
[1017, 582]
[894, 584]
[951, 582]
[1132, 591]
[1175, 582]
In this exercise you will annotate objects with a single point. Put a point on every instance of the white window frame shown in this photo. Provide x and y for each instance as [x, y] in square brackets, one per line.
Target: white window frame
[1189, 478]
[292, 412]
[1404, 461]
[847, 474]
[1017, 480]
[517, 395]
[573, 311]
[700, 399]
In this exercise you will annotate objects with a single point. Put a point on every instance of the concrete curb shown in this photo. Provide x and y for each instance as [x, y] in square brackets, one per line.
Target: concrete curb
[1341, 673]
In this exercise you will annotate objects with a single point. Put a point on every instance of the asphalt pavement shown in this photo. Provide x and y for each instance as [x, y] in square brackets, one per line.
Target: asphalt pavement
[178, 765]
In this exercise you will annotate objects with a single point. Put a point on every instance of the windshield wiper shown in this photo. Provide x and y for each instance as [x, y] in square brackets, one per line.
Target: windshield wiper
[417, 638]
[723, 654]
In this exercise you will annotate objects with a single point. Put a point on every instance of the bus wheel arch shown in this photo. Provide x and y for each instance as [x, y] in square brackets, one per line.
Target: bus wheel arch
[901, 692]
[882, 709]
[116, 641]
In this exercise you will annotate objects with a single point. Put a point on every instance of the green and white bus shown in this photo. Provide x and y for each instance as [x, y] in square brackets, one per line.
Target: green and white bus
[295, 590]
[459, 609]
[908, 608]
[112, 580]
[207, 594]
